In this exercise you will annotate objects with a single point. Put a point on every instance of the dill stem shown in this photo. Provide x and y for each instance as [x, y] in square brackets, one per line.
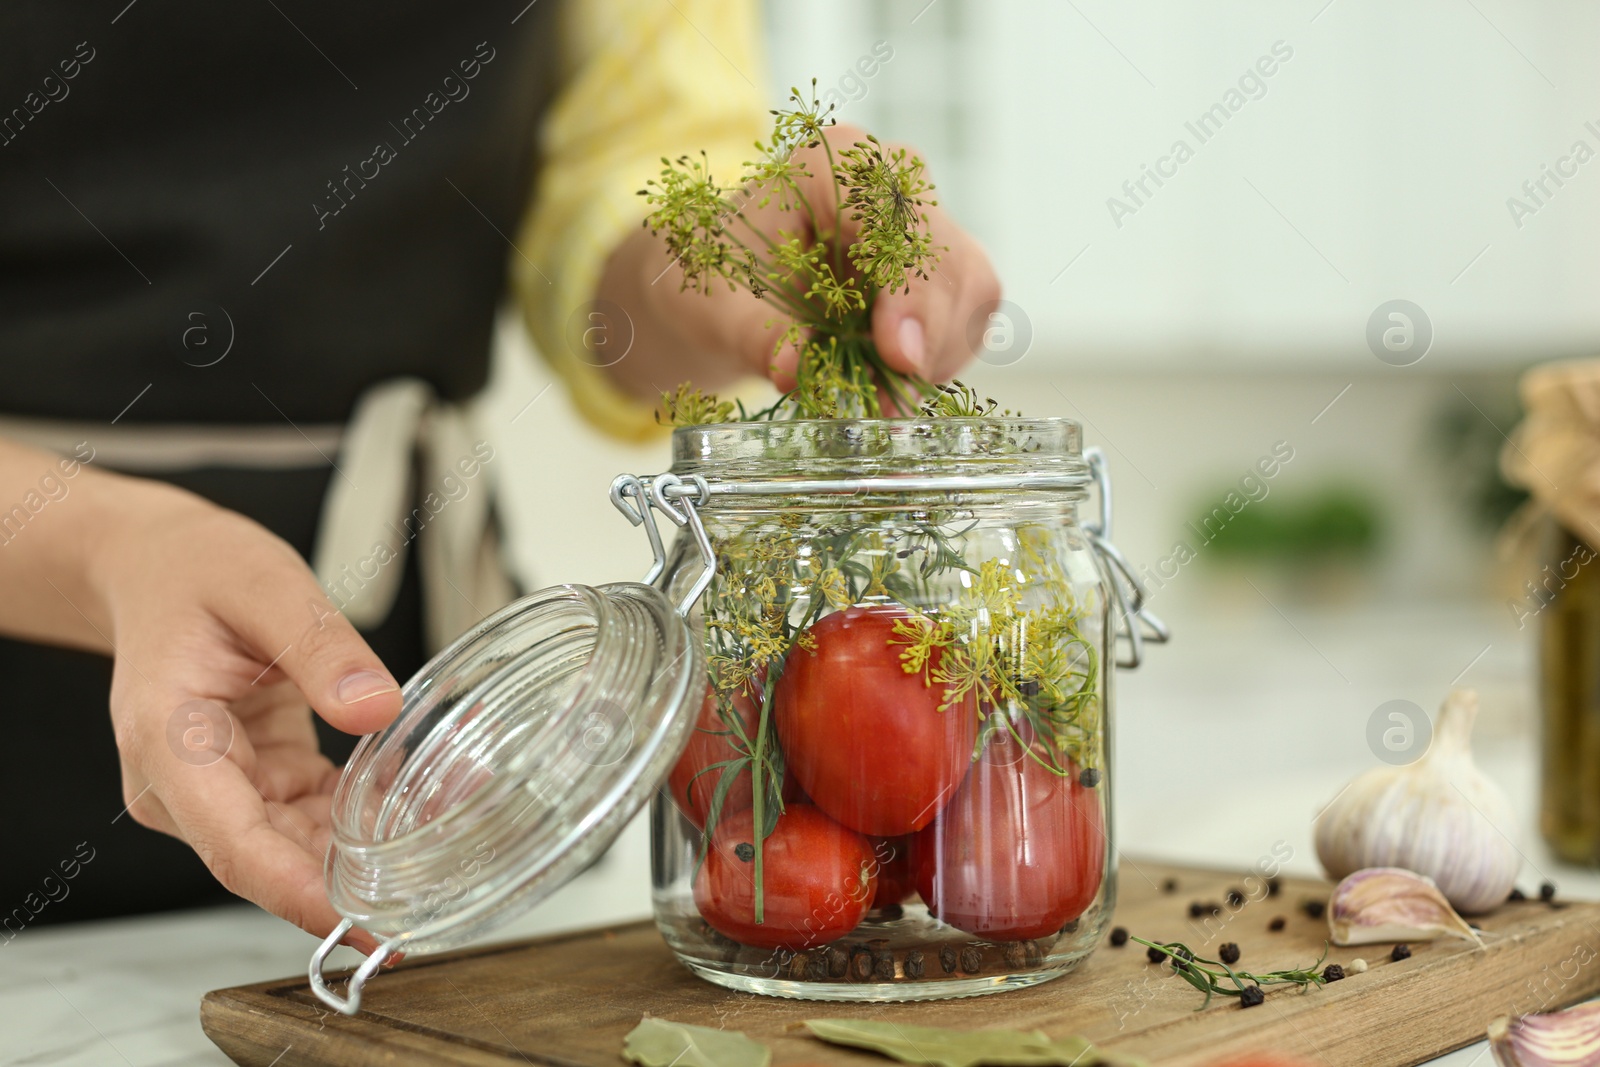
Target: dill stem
[759, 771]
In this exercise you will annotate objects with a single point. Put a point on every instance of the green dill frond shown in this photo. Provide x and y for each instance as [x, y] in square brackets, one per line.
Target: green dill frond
[957, 400]
[886, 193]
[688, 406]
[692, 213]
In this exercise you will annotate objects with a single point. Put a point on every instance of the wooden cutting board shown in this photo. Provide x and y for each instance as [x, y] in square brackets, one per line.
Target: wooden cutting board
[568, 1001]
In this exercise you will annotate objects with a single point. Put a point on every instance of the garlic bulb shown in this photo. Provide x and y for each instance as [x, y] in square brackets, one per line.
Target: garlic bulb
[1438, 816]
[1568, 1038]
[1390, 904]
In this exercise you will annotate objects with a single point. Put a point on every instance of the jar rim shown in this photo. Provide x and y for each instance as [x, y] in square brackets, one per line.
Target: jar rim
[843, 448]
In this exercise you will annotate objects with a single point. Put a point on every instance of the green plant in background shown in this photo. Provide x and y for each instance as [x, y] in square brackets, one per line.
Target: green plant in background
[1322, 526]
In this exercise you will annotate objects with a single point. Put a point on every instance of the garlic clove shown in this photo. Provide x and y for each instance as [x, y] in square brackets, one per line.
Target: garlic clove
[1568, 1038]
[1392, 904]
[1439, 816]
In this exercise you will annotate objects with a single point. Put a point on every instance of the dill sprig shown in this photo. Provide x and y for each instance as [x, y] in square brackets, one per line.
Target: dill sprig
[1209, 976]
[688, 406]
[958, 400]
[1022, 657]
[825, 287]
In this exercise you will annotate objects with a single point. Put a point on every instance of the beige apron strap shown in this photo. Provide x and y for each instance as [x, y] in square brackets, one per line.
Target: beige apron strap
[138, 448]
[360, 553]
[400, 434]
[463, 574]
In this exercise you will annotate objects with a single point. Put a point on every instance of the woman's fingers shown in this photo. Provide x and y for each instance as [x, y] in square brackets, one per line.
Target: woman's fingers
[925, 328]
[920, 327]
[222, 638]
[276, 606]
[264, 850]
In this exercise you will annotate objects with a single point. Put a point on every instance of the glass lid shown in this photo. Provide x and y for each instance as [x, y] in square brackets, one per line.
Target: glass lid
[519, 754]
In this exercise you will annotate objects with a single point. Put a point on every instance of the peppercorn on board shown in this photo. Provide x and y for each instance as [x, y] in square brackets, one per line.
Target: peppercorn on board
[569, 1000]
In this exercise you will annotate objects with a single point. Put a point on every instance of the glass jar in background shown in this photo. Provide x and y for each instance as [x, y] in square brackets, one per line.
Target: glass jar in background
[868, 688]
[908, 637]
[1567, 599]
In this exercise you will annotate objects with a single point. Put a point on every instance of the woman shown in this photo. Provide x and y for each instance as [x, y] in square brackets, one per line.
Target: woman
[251, 256]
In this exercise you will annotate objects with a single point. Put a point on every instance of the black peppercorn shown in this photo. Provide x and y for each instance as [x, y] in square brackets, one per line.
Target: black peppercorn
[1547, 891]
[1314, 908]
[1089, 778]
[717, 937]
[860, 963]
[883, 966]
[1155, 955]
[1196, 909]
[947, 958]
[1016, 956]
[1517, 894]
[972, 959]
[1250, 996]
[1332, 973]
[838, 962]
[1228, 953]
[1274, 887]
[1119, 936]
[797, 966]
[817, 968]
[1169, 885]
[1235, 898]
[745, 851]
[915, 967]
[1277, 924]
[1401, 952]
[1071, 927]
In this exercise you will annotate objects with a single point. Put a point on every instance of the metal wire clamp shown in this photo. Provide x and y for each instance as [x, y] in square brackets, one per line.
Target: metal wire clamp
[1134, 618]
[680, 500]
[350, 1003]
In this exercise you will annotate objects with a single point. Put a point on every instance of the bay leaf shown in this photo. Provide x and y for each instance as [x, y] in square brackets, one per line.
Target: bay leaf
[663, 1043]
[937, 1046]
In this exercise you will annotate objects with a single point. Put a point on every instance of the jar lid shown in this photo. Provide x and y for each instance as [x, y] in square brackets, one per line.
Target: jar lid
[519, 754]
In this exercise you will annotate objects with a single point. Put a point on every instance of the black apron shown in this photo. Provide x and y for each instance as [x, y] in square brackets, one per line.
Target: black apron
[325, 194]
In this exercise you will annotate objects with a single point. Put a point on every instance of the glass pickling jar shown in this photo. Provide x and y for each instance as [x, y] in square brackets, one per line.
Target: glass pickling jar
[868, 687]
[908, 637]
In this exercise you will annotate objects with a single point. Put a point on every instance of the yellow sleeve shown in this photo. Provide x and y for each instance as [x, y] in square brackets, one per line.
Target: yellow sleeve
[644, 79]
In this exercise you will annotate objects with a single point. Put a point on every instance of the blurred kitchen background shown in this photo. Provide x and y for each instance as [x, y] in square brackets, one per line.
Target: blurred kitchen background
[1197, 325]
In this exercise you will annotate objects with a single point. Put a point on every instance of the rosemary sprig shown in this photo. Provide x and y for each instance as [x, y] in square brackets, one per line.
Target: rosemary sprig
[1208, 975]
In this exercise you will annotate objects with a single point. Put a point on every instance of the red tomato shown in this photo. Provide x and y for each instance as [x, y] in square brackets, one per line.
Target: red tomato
[818, 880]
[866, 740]
[1018, 852]
[897, 878]
[712, 742]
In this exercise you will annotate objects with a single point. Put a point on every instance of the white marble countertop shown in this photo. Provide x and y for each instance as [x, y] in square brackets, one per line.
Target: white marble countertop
[1271, 708]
